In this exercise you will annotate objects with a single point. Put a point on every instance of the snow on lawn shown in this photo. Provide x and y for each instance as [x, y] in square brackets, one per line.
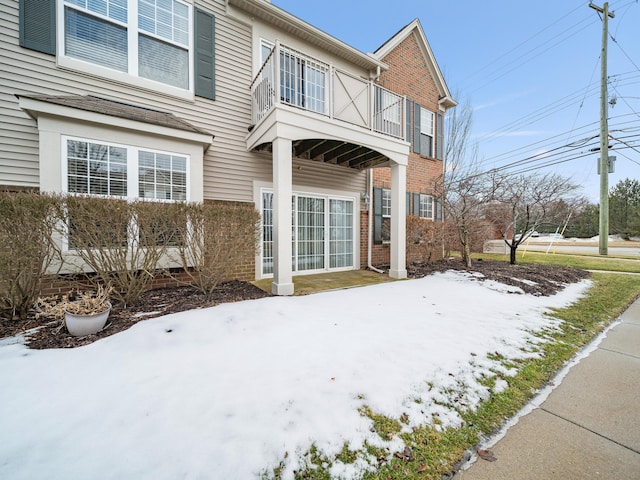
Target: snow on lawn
[229, 391]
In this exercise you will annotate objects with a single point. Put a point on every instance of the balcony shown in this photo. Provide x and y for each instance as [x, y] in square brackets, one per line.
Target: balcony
[293, 79]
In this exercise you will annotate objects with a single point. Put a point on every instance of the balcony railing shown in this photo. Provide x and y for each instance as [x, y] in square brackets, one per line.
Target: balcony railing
[292, 78]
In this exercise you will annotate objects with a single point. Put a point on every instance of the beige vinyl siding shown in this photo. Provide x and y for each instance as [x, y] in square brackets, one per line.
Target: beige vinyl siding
[229, 170]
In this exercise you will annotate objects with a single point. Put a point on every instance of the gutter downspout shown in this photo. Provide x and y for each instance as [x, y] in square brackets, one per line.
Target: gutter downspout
[370, 222]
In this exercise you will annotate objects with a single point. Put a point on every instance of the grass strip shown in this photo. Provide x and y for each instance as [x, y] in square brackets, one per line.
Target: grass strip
[576, 261]
[437, 451]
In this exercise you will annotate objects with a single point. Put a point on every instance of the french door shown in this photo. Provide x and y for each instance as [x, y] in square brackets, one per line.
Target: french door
[322, 231]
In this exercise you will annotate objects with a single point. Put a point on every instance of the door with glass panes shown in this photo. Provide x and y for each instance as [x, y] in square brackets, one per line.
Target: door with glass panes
[322, 233]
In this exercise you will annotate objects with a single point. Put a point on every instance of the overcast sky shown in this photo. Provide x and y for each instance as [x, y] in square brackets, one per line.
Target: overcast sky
[531, 70]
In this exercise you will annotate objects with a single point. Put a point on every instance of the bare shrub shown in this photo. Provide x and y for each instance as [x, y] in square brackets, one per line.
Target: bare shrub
[122, 242]
[215, 241]
[27, 248]
[424, 239]
[450, 239]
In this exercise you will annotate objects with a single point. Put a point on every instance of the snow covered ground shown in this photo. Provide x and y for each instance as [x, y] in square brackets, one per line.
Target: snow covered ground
[229, 391]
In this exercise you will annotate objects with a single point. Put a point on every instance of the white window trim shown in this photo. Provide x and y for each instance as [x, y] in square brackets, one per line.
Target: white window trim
[93, 69]
[386, 193]
[423, 196]
[132, 168]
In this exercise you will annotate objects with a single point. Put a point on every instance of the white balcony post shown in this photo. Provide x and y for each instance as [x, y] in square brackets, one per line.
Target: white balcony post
[282, 192]
[398, 221]
[330, 99]
[276, 71]
[371, 106]
[403, 118]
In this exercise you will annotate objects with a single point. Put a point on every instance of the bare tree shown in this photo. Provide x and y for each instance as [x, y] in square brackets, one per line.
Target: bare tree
[465, 190]
[525, 203]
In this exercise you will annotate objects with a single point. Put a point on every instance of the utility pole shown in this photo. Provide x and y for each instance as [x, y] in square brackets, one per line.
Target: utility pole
[604, 132]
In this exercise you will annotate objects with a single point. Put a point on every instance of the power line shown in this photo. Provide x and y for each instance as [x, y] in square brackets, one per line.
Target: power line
[544, 142]
[556, 106]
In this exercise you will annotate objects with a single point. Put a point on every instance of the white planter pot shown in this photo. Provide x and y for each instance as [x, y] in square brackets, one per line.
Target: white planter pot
[81, 325]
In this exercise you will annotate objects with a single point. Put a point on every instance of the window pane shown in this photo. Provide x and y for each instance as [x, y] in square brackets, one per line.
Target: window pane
[95, 40]
[157, 177]
[426, 121]
[426, 206]
[267, 232]
[386, 203]
[91, 169]
[341, 234]
[98, 6]
[168, 19]
[163, 62]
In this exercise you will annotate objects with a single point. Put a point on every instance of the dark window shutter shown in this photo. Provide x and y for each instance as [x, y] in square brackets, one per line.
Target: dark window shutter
[416, 127]
[438, 209]
[408, 204]
[407, 107]
[205, 27]
[38, 25]
[377, 215]
[416, 204]
[440, 136]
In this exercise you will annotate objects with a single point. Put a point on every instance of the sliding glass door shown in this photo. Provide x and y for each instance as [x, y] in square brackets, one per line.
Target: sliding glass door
[322, 230]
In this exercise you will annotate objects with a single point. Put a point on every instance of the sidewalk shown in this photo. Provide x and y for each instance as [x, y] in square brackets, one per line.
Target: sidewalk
[588, 427]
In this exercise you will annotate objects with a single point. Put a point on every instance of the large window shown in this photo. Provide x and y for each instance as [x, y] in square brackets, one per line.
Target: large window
[150, 39]
[322, 230]
[98, 168]
[103, 169]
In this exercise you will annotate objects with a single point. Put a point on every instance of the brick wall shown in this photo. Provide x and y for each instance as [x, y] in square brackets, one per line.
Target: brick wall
[409, 75]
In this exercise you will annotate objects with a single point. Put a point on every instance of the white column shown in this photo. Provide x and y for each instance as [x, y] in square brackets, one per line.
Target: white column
[282, 191]
[398, 221]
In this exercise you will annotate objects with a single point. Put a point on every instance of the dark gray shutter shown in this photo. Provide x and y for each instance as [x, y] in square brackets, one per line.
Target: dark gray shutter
[377, 215]
[416, 204]
[440, 136]
[416, 127]
[407, 133]
[438, 209]
[205, 28]
[408, 204]
[38, 25]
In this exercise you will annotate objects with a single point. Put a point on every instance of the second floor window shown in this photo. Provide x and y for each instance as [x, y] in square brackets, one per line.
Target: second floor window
[426, 132]
[143, 38]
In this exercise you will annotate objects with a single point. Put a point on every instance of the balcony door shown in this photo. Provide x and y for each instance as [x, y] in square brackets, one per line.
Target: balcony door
[303, 80]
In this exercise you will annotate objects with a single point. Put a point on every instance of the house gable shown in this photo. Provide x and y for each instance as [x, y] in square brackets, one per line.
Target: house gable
[409, 56]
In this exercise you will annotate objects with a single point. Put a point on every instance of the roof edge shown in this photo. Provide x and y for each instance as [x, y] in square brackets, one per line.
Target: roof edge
[265, 10]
